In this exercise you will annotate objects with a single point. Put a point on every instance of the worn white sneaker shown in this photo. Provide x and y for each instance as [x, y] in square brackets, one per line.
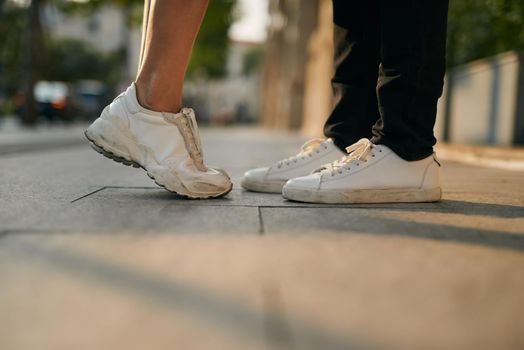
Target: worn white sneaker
[369, 174]
[312, 156]
[166, 145]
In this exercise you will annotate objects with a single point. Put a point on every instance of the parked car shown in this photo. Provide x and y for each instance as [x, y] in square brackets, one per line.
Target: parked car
[53, 100]
[89, 98]
[60, 101]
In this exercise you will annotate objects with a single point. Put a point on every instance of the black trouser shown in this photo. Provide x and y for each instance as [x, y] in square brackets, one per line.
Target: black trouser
[389, 72]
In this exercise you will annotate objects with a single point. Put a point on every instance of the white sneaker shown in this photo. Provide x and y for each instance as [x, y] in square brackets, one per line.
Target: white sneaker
[313, 155]
[369, 174]
[166, 145]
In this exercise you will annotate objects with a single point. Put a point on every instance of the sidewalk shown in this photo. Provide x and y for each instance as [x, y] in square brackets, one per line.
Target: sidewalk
[94, 256]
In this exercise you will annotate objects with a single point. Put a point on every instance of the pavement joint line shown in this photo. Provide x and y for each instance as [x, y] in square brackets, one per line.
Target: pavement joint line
[135, 187]
[87, 195]
[236, 190]
[261, 229]
[289, 204]
[35, 148]
[31, 231]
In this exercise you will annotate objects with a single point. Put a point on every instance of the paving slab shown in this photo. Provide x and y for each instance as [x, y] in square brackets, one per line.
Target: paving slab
[323, 291]
[94, 256]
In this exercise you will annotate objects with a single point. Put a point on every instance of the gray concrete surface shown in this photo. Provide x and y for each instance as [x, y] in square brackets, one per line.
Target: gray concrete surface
[94, 256]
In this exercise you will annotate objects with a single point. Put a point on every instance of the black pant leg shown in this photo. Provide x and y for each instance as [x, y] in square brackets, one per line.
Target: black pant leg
[357, 48]
[411, 75]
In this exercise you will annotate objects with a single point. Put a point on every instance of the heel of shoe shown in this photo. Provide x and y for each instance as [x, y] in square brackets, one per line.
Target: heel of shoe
[105, 136]
[431, 178]
[431, 187]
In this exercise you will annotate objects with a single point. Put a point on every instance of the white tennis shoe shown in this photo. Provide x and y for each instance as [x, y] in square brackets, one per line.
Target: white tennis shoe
[166, 145]
[312, 156]
[369, 174]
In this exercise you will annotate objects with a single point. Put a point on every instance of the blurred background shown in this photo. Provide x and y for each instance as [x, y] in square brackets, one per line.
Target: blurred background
[95, 256]
[62, 61]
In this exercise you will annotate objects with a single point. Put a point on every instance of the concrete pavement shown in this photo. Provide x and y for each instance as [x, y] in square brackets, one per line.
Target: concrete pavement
[94, 256]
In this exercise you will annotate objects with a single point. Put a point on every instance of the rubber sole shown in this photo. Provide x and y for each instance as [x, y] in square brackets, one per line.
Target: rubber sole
[127, 162]
[397, 195]
[264, 187]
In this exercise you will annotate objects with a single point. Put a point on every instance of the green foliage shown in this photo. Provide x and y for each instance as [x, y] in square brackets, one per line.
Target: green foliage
[252, 60]
[71, 60]
[132, 8]
[483, 28]
[12, 24]
[210, 50]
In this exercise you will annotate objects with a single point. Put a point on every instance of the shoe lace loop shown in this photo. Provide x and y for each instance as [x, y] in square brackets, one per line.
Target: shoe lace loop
[306, 150]
[357, 152]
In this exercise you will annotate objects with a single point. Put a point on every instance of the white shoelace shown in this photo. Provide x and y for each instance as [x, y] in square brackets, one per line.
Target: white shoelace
[357, 152]
[306, 150]
[186, 122]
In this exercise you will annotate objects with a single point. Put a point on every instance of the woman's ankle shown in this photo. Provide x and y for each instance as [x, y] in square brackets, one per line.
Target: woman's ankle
[149, 99]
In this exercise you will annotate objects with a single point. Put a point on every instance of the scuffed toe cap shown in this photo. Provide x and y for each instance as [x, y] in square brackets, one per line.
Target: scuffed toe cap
[258, 174]
[309, 182]
[211, 181]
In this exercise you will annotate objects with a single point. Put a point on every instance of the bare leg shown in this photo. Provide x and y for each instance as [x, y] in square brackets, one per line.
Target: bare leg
[145, 22]
[172, 26]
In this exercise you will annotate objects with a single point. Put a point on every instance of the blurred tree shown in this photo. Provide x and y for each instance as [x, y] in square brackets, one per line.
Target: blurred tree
[12, 24]
[210, 51]
[252, 60]
[26, 49]
[21, 36]
[483, 28]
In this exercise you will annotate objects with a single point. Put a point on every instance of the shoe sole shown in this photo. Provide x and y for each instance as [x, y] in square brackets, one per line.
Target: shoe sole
[397, 195]
[264, 187]
[127, 162]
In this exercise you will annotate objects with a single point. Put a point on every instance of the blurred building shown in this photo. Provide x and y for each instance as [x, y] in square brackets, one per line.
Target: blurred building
[483, 102]
[234, 98]
[106, 30]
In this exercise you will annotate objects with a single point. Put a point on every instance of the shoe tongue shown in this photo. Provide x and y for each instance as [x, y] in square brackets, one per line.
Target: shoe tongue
[189, 113]
[186, 122]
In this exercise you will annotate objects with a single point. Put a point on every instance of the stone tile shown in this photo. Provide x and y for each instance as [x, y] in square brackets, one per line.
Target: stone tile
[139, 217]
[323, 291]
[501, 232]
